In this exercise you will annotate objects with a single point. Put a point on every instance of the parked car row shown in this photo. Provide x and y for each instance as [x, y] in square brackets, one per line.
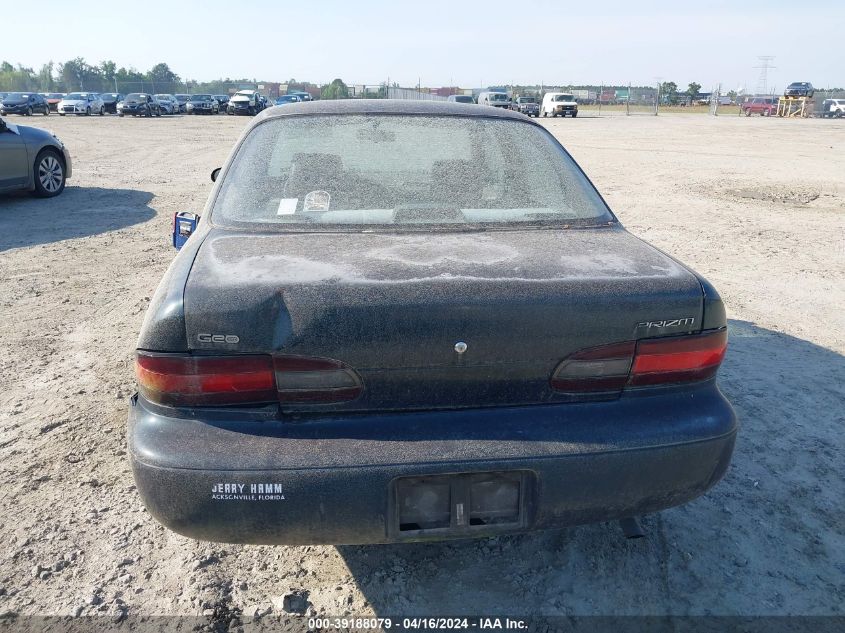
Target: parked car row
[248, 102]
[25, 103]
[554, 103]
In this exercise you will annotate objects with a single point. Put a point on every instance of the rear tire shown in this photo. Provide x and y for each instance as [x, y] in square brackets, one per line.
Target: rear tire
[102, 110]
[88, 111]
[47, 111]
[574, 114]
[747, 111]
[49, 174]
[29, 111]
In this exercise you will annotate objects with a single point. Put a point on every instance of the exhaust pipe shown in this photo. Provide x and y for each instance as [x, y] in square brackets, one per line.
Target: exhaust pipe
[631, 527]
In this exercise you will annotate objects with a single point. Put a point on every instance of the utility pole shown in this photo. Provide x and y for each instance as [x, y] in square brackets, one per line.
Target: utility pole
[765, 64]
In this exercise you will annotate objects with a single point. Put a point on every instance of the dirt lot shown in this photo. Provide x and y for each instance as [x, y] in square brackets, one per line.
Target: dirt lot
[756, 205]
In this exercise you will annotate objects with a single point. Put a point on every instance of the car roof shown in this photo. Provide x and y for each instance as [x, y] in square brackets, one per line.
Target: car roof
[390, 106]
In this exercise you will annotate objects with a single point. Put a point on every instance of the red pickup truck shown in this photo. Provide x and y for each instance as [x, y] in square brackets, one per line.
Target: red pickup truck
[764, 106]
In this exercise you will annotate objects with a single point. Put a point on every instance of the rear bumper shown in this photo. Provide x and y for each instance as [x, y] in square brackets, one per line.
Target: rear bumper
[332, 480]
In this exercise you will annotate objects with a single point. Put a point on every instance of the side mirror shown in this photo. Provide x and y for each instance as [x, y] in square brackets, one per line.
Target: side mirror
[214, 174]
[184, 225]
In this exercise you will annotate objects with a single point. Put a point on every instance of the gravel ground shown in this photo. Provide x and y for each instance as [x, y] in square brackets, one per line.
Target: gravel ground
[756, 205]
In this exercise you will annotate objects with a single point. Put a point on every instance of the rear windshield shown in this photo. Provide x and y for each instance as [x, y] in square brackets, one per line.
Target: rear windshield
[497, 96]
[402, 171]
[462, 98]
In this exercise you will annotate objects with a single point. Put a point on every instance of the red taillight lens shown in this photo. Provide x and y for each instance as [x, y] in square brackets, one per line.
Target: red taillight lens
[610, 368]
[318, 380]
[205, 380]
[176, 380]
[679, 358]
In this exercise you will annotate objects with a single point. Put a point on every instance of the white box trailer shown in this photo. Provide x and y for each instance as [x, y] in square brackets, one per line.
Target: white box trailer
[584, 96]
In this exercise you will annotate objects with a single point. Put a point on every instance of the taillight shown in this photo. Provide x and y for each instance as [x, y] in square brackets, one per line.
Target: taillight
[610, 368]
[595, 369]
[679, 358]
[176, 380]
[182, 380]
[301, 379]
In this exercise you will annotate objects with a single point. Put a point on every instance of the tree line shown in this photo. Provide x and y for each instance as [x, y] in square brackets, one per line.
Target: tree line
[79, 75]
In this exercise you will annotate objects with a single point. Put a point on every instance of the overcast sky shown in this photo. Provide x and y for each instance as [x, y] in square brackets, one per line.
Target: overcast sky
[441, 42]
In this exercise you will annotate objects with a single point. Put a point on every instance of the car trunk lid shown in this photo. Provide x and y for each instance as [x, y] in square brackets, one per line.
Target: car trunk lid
[394, 306]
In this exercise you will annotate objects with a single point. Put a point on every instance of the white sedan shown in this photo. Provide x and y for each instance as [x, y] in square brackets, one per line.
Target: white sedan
[86, 103]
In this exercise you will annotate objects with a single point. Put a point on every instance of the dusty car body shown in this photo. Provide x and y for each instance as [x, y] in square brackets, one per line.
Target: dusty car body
[33, 160]
[376, 333]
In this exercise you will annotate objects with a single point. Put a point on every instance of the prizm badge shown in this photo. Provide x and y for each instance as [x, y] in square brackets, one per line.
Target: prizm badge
[689, 321]
[217, 338]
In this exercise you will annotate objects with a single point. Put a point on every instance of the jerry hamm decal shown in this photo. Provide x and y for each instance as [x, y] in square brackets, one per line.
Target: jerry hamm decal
[247, 492]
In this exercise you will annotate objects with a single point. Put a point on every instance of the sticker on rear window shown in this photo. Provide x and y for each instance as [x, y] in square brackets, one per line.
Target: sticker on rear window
[317, 201]
[287, 206]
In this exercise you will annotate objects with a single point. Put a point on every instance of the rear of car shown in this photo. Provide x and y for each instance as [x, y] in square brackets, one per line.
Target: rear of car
[384, 331]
